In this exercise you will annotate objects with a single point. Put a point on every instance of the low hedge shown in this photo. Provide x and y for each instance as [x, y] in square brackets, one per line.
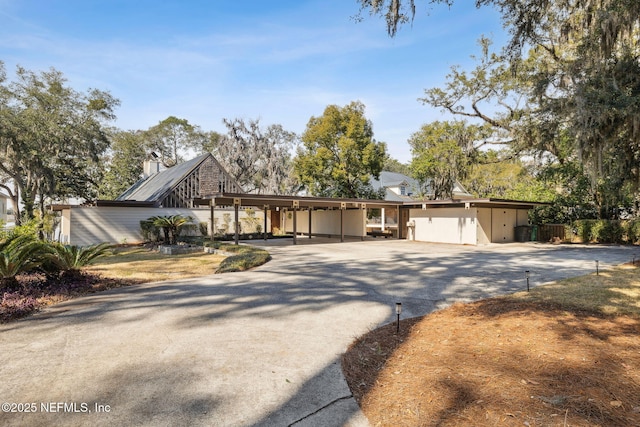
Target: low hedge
[246, 257]
[607, 231]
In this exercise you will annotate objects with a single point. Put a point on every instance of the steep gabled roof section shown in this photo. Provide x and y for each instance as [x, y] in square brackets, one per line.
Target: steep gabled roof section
[178, 185]
[160, 184]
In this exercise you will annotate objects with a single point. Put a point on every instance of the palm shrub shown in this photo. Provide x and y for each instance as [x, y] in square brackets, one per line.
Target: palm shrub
[171, 226]
[18, 254]
[67, 259]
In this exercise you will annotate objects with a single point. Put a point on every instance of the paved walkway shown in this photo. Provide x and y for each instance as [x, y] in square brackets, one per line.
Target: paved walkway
[254, 348]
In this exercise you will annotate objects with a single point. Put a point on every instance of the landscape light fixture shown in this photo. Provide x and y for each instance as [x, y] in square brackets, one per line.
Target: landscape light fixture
[398, 311]
[597, 268]
[526, 275]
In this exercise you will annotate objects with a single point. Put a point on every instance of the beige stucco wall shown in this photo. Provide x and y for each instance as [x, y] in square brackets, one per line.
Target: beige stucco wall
[89, 225]
[327, 222]
[474, 226]
[503, 222]
[483, 226]
[445, 225]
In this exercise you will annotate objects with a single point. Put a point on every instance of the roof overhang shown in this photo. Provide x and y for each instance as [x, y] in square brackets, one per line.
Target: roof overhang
[113, 203]
[475, 203]
[272, 201]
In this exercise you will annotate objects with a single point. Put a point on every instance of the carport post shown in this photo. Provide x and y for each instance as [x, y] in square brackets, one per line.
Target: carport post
[309, 222]
[343, 206]
[236, 206]
[296, 204]
[212, 205]
[264, 229]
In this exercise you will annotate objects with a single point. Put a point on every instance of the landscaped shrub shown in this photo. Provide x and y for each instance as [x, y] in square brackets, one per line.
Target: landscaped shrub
[150, 233]
[246, 258]
[600, 231]
[204, 228]
[18, 254]
[171, 226]
[609, 232]
[632, 231]
[68, 259]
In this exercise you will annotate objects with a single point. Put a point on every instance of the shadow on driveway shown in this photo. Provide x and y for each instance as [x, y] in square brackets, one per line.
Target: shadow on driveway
[254, 348]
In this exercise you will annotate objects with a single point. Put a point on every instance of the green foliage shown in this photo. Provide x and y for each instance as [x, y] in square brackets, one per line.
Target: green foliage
[171, 226]
[602, 231]
[203, 228]
[632, 231]
[18, 254]
[393, 165]
[171, 138]
[52, 137]
[150, 232]
[70, 259]
[339, 155]
[246, 257]
[259, 159]
[442, 152]
[567, 89]
[124, 163]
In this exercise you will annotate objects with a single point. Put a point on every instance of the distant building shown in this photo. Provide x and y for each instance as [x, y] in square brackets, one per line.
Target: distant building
[401, 188]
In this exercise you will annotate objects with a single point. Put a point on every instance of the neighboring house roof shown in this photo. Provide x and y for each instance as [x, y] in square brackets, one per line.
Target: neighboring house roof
[393, 180]
[178, 185]
[388, 180]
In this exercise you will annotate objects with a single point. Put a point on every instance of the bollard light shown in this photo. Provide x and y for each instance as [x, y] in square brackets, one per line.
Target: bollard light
[526, 276]
[398, 311]
[597, 268]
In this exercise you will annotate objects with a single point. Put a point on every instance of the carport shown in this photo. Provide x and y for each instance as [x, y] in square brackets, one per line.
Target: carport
[333, 216]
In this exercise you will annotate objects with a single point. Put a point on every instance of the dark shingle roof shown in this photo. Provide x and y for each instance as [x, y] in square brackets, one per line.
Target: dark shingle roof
[157, 186]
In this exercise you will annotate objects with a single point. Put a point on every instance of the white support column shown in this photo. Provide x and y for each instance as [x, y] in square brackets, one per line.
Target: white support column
[382, 219]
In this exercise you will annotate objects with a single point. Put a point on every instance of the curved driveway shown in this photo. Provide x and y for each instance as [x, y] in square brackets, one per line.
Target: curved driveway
[253, 348]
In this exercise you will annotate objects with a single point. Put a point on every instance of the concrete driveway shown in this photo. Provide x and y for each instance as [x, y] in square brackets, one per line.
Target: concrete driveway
[254, 348]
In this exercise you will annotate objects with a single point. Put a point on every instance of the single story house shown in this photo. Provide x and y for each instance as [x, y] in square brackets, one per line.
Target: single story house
[473, 221]
[202, 189]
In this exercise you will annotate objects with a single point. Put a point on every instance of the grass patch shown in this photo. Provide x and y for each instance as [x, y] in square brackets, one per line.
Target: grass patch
[612, 292]
[142, 264]
[244, 258]
[567, 353]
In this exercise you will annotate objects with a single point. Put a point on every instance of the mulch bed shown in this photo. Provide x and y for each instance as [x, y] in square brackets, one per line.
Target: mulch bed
[499, 362]
[35, 291]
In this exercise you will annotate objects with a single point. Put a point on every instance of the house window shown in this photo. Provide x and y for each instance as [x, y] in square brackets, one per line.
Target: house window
[403, 190]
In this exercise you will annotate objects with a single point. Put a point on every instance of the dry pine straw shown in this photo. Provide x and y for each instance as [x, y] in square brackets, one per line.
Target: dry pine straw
[499, 362]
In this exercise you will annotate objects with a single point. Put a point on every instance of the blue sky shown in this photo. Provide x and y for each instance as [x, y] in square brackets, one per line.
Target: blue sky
[280, 61]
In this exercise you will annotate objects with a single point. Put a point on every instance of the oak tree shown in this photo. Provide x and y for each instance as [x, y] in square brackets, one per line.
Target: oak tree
[339, 155]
